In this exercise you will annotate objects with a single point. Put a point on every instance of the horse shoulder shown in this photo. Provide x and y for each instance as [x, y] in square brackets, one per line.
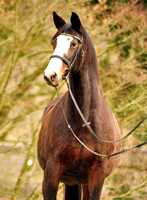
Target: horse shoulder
[50, 106]
[43, 135]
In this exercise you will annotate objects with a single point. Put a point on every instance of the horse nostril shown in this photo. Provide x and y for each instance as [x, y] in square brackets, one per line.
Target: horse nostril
[46, 78]
[53, 77]
[50, 78]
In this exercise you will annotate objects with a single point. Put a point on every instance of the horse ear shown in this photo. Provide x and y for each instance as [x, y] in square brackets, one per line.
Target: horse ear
[76, 23]
[58, 21]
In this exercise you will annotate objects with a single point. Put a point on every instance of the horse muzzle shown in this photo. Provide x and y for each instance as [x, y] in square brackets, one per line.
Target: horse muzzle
[52, 79]
[53, 72]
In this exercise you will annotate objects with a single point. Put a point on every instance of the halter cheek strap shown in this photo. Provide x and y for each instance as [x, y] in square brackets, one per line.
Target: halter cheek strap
[72, 61]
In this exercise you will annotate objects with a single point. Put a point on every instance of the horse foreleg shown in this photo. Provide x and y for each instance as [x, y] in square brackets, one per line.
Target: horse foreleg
[96, 181]
[52, 174]
[85, 192]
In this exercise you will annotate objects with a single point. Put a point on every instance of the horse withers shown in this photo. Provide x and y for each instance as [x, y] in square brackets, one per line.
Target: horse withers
[61, 156]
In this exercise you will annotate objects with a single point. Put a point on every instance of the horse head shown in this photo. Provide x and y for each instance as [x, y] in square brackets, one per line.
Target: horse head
[68, 51]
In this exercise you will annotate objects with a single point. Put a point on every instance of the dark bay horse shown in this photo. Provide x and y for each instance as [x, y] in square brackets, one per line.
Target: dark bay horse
[60, 154]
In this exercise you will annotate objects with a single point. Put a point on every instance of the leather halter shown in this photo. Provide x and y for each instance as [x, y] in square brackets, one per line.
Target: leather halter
[72, 61]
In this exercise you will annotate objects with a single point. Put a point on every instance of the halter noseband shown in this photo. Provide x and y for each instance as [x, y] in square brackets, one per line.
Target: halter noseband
[72, 61]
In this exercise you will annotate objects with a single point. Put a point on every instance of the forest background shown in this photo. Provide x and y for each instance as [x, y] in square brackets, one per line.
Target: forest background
[118, 30]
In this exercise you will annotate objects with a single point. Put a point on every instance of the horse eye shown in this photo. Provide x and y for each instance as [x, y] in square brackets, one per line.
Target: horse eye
[73, 44]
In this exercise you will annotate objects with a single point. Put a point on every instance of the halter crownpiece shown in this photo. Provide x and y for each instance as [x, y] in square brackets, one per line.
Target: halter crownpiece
[72, 61]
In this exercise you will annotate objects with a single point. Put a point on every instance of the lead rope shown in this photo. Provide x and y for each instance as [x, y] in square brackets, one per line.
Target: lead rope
[86, 123]
[97, 154]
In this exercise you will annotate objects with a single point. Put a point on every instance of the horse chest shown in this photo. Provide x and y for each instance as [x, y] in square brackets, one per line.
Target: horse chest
[76, 173]
[78, 162]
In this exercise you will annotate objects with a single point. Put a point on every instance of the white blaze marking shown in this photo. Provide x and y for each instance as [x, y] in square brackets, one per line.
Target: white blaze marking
[63, 44]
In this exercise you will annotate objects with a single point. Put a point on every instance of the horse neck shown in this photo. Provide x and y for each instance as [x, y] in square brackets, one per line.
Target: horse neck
[85, 85]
